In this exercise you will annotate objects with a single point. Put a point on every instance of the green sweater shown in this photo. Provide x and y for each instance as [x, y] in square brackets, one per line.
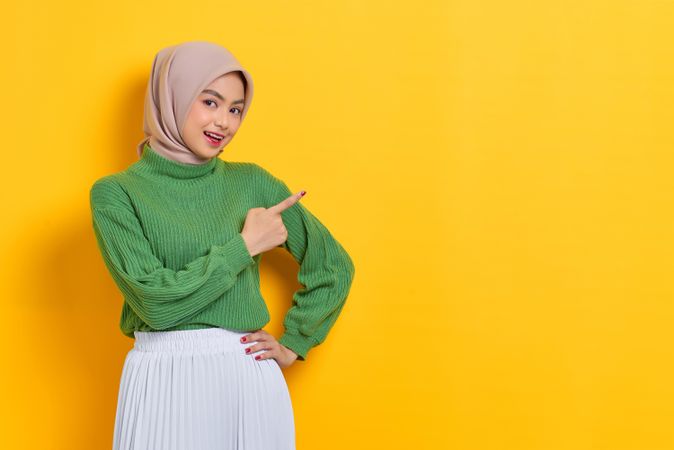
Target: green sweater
[169, 234]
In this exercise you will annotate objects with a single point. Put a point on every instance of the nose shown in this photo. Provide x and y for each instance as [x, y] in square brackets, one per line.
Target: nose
[221, 120]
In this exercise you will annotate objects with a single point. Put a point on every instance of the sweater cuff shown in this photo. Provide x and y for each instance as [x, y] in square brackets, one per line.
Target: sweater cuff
[236, 253]
[297, 343]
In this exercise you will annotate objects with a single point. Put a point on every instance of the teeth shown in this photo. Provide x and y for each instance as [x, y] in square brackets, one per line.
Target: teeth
[212, 135]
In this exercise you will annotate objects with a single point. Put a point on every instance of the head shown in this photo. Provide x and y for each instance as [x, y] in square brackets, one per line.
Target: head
[194, 87]
[216, 109]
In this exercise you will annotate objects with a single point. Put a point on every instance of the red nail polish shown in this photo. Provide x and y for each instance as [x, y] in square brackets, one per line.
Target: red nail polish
[248, 350]
[257, 357]
[243, 339]
[302, 193]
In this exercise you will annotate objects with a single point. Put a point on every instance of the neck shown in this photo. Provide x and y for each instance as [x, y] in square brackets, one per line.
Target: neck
[153, 162]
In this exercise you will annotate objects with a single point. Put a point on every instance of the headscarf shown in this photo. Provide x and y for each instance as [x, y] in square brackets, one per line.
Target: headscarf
[179, 74]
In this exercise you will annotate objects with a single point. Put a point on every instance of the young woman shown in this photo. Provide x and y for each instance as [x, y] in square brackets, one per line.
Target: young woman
[182, 232]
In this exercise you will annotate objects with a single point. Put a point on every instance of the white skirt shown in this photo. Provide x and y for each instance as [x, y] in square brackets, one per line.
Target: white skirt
[199, 390]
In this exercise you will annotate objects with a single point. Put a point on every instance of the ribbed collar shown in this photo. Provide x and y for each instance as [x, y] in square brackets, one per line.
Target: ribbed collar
[154, 163]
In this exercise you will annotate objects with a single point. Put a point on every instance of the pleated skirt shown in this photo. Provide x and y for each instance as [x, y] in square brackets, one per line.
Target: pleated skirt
[199, 390]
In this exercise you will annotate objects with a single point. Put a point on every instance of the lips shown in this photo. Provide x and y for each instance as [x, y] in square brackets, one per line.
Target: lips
[213, 138]
[214, 135]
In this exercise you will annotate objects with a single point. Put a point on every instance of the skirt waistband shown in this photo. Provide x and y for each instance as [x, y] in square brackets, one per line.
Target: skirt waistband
[199, 340]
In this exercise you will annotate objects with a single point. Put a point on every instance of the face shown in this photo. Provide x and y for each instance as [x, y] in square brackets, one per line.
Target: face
[217, 109]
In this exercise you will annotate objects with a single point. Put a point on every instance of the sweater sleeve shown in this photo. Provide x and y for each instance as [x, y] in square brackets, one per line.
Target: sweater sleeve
[326, 273]
[160, 296]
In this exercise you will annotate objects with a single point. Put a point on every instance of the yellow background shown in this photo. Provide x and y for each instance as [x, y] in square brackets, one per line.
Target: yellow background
[500, 172]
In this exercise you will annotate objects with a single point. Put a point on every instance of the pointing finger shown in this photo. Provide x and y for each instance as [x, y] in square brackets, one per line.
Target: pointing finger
[287, 203]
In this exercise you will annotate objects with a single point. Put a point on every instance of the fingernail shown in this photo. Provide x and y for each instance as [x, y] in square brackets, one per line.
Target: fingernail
[243, 339]
[302, 193]
[248, 350]
[257, 357]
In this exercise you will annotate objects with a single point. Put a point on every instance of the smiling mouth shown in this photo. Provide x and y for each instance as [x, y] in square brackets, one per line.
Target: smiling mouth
[213, 138]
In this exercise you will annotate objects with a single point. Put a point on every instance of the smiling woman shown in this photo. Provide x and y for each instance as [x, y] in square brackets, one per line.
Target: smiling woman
[213, 120]
[182, 233]
[193, 88]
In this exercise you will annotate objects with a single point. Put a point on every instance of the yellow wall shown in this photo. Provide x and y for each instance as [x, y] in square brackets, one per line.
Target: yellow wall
[501, 173]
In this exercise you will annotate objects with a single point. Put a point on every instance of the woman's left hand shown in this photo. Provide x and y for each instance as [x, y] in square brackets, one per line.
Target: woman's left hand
[265, 341]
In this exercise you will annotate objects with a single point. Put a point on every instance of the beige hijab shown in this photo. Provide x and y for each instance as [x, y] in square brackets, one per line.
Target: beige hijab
[179, 74]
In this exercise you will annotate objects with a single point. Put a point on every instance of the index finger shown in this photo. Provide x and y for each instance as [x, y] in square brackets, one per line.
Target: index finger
[287, 203]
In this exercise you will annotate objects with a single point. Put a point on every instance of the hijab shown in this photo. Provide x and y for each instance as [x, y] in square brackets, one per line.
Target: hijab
[179, 74]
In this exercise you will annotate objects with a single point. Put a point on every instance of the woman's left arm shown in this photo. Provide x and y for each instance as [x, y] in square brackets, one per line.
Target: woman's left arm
[326, 273]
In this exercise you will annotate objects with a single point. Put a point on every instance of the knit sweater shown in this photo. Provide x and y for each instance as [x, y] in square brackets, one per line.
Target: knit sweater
[169, 234]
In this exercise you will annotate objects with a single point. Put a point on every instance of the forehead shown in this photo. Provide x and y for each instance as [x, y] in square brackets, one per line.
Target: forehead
[230, 80]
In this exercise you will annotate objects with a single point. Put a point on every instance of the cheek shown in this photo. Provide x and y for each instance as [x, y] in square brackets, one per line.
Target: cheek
[195, 123]
[236, 124]
[198, 116]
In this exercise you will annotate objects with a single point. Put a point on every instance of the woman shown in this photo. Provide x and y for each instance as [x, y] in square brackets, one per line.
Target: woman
[182, 233]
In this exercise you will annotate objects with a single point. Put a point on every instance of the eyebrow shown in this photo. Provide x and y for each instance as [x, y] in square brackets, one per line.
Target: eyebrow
[217, 94]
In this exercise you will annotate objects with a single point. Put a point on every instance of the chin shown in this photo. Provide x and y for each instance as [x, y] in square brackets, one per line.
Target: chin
[208, 156]
[208, 153]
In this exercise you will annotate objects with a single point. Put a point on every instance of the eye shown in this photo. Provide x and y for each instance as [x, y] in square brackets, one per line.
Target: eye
[206, 102]
[237, 110]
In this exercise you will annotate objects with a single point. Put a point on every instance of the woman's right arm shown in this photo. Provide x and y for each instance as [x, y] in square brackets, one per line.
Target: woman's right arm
[160, 296]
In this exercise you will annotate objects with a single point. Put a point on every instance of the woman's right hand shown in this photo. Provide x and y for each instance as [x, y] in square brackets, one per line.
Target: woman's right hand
[264, 229]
